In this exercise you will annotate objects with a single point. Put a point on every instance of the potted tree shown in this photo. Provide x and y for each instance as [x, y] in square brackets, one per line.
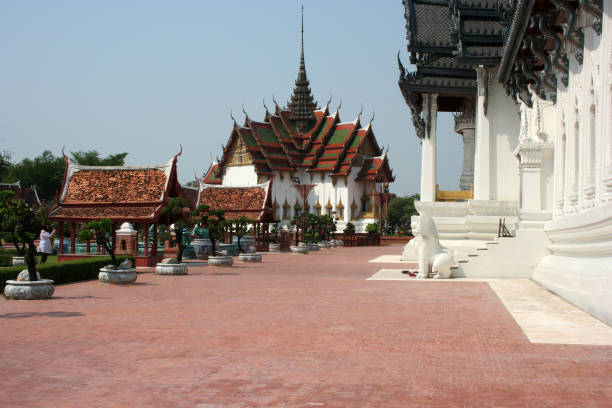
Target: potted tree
[101, 231]
[25, 223]
[299, 247]
[274, 245]
[181, 221]
[216, 224]
[373, 234]
[325, 225]
[313, 232]
[240, 227]
[349, 234]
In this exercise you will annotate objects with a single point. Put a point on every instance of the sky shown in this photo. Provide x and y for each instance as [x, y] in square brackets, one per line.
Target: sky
[144, 76]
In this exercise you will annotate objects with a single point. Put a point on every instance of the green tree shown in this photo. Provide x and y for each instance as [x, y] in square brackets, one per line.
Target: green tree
[240, 227]
[214, 221]
[46, 172]
[101, 230]
[92, 158]
[5, 165]
[24, 223]
[372, 228]
[401, 209]
[183, 220]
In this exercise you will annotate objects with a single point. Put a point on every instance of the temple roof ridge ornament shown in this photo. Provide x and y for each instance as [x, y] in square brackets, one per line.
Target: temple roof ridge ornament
[302, 105]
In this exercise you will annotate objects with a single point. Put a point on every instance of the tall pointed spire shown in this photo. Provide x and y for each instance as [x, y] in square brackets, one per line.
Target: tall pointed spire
[302, 103]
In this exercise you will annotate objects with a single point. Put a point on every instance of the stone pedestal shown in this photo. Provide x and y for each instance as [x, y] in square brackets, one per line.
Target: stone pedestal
[220, 261]
[299, 249]
[117, 276]
[18, 260]
[534, 212]
[29, 290]
[171, 269]
[249, 257]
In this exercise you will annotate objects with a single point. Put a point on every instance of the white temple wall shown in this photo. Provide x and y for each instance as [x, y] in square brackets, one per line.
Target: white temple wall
[239, 176]
[578, 267]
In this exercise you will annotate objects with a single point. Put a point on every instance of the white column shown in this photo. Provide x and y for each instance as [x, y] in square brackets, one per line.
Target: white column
[482, 152]
[428, 149]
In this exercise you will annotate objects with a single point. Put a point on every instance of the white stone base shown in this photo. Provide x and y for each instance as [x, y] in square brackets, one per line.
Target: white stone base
[314, 247]
[579, 268]
[220, 261]
[274, 247]
[171, 269]
[299, 249]
[18, 260]
[29, 290]
[249, 257]
[325, 244]
[117, 276]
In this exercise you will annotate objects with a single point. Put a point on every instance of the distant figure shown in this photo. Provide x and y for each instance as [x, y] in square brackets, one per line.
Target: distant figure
[44, 246]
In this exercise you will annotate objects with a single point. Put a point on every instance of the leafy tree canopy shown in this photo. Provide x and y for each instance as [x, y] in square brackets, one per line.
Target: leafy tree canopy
[92, 158]
[400, 211]
[5, 165]
[46, 172]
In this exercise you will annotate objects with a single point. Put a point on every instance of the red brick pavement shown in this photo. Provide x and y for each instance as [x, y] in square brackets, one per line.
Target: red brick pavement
[294, 331]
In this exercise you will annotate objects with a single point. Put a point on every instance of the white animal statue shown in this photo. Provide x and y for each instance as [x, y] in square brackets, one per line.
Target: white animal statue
[435, 261]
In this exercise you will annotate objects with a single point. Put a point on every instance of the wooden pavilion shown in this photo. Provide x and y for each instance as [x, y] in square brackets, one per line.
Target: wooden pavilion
[134, 194]
[252, 202]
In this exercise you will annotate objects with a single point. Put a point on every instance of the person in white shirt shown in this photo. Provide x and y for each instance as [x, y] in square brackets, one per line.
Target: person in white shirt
[44, 246]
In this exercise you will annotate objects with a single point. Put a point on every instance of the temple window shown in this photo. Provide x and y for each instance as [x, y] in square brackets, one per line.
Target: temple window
[276, 209]
[340, 211]
[318, 208]
[354, 210]
[328, 207]
[286, 211]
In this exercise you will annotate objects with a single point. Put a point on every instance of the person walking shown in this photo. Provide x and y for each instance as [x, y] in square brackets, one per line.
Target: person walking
[44, 245]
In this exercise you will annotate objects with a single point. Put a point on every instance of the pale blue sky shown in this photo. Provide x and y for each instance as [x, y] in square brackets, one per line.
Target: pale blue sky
[143, 76]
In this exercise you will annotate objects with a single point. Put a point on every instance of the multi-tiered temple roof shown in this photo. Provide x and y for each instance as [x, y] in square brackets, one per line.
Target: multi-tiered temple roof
[300, 136]
[447, 40]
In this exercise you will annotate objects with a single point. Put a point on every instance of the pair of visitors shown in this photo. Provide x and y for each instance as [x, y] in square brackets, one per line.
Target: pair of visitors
[44, 246]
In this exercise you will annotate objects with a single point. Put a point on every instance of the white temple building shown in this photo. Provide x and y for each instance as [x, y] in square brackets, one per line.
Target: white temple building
[312, 159]
[531, 87]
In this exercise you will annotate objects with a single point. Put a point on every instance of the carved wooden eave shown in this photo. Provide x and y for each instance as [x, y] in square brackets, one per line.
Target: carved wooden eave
[535, 53]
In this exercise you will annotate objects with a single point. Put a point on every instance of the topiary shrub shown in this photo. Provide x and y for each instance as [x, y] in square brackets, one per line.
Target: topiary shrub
[372, 228]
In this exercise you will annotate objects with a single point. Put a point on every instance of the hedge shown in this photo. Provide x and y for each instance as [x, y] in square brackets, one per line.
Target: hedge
[63, 272]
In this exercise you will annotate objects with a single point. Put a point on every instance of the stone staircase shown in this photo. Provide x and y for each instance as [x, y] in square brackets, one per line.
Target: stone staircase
[499, 257]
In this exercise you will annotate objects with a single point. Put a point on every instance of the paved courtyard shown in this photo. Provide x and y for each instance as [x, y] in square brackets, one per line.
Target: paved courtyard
[293, 331]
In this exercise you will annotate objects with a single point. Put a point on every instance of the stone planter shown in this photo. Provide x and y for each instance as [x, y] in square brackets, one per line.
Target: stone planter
[171, 269]
[249, 257]
[117, 276]
[220, 261]
[325, 244]
[26, 290]
[274, 247]
[18, 260]
[314, 247]
[339, 242]
[299, 249]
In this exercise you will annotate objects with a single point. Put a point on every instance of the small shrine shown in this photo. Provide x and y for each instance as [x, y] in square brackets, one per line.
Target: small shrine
[132, 197]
